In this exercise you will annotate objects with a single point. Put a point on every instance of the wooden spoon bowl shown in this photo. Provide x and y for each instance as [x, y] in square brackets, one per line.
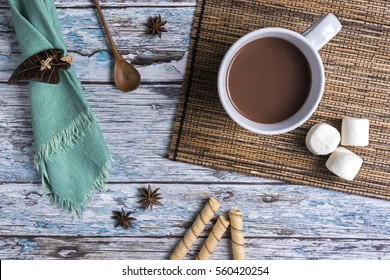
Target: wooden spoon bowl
[126, 77]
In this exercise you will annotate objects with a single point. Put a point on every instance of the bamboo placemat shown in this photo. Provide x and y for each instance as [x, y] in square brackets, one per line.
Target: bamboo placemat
[357, 84]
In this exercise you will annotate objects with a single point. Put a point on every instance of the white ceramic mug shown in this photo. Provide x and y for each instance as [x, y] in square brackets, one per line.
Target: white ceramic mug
[309, 43]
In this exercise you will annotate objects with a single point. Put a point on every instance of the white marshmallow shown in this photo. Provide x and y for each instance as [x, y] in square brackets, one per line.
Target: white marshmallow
[344, 163]
[355, 132]
[322, 139]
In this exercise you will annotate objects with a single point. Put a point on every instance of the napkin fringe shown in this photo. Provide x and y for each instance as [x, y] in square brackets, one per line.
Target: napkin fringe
[67, 138]
[97, 186]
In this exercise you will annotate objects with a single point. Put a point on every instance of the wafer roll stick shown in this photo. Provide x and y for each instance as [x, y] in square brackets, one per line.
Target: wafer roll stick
[196, 229]
[237, 230]
[215, 236]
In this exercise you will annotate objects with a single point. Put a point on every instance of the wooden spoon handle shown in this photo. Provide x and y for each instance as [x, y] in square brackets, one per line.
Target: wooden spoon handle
[108, 33]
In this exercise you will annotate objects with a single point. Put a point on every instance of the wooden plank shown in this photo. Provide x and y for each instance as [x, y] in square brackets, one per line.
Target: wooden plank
[125, 248]
[269, 211]
[159, 60]
[119, 4]
[136, 126]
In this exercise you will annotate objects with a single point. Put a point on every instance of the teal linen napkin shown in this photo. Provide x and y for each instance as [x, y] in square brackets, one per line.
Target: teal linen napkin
[71, 153]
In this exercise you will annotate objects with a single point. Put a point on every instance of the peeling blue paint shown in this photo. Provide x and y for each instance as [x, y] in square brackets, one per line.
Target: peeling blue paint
[147, 128]
[351, 219]
[148, 53]
[103, 56]
[104, 230]
[8, 66]
[28, 245]
[170, 68]
[41, 224]
[75, 37]
[302, 250]
[316, 203]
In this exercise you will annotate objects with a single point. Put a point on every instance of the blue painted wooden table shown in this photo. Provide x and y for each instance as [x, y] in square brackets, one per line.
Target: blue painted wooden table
[282, 221]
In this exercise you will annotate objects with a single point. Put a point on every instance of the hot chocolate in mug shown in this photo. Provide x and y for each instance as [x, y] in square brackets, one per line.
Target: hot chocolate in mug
[272, 79]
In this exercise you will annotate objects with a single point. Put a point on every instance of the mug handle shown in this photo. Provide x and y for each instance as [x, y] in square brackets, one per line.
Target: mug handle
[322, 31]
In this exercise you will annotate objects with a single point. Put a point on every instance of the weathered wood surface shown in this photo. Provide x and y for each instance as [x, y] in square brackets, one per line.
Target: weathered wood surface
[39, 247]
[159, 60]
[269, 211]
[137, 127]
[282, 221]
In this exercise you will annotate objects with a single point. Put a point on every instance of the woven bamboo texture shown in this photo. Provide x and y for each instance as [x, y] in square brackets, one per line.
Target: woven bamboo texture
[357, 84]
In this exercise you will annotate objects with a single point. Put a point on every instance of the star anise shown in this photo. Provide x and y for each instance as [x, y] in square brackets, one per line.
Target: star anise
[150, 198]
[156, 25]
[122, 218]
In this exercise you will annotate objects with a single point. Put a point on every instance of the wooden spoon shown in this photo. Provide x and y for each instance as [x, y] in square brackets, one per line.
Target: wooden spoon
[126, 77]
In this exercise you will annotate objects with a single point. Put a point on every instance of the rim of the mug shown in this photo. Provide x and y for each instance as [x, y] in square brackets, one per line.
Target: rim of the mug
[222, 75]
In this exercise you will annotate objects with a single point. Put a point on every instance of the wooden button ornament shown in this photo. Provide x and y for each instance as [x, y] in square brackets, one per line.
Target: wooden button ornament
[42, 67]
